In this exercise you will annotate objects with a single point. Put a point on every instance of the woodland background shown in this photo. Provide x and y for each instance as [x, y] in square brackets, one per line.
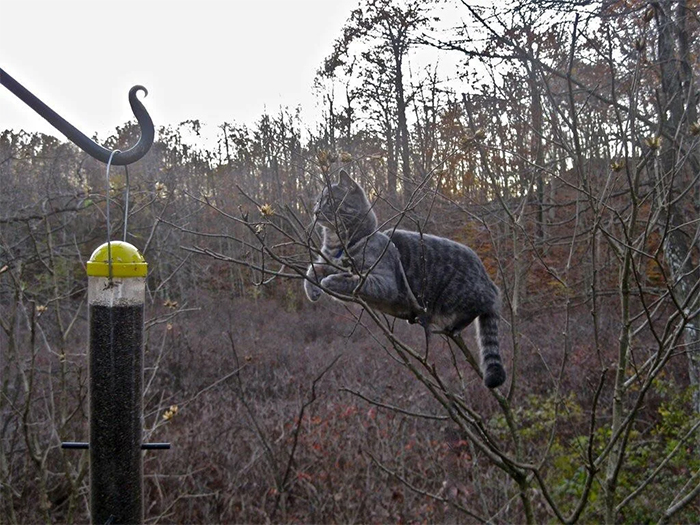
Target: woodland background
[563, 149]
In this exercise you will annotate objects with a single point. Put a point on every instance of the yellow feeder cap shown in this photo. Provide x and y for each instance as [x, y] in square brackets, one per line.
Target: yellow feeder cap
[127, 261]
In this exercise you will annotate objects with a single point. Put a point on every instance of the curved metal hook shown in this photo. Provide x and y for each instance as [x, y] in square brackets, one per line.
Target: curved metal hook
[88, 145]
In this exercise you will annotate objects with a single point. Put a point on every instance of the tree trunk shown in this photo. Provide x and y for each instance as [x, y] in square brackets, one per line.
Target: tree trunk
[537, 150]
[402, 127]
[392, 165]
[677, 83]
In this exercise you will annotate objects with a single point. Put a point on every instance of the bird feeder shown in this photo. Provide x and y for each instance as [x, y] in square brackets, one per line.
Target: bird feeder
[116, 295]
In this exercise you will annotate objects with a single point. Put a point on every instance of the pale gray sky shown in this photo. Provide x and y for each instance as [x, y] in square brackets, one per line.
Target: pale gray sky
[213, 60]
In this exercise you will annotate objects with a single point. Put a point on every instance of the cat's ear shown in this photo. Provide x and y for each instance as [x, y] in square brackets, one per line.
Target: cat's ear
[346, 181]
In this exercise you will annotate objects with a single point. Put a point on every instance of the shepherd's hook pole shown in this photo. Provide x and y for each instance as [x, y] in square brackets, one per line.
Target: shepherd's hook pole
[88, 145]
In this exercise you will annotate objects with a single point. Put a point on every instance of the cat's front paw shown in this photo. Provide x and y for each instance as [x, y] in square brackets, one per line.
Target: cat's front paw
[313, 292]
[342, 283]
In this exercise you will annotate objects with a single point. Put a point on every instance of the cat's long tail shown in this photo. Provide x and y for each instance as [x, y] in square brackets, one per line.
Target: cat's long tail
[491, 363]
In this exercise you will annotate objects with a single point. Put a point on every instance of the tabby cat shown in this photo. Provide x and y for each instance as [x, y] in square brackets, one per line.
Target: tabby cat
[418, 277]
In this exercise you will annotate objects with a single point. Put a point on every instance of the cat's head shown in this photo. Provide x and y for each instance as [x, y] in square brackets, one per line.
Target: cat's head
[344, 208]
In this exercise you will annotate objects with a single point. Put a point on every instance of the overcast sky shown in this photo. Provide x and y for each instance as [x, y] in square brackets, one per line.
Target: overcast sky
[213, 60]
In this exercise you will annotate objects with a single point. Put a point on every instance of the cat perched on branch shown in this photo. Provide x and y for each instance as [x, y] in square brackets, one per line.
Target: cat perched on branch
[413, 276]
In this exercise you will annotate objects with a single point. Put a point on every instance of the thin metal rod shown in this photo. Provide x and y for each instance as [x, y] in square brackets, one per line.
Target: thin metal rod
[155, 446]
[88, 145]
[75, 445]
[81, 445]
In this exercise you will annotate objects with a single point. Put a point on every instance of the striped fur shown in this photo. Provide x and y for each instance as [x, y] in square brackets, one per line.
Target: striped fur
[418, 277]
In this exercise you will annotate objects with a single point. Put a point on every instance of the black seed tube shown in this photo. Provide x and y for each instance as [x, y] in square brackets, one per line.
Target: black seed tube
[116, 379]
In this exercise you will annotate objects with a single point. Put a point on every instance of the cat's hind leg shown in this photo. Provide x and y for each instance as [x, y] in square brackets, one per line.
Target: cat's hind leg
[425, 323]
